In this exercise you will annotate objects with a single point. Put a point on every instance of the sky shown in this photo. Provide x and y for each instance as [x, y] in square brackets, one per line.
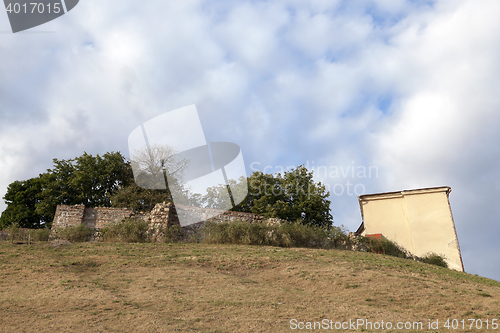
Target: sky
[405, 93]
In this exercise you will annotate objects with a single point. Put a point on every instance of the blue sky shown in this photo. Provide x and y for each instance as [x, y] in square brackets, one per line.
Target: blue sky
[407, 87]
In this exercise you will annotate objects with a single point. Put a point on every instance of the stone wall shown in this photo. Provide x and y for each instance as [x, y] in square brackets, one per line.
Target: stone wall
[219, 215]
[96, 218]
[68, 216]
[161, 216]
[166, 214]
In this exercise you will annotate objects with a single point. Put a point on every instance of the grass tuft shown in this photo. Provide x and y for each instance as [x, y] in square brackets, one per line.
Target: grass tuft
[435, 259]
[79, 233]
[384, 246]
[128, 231]
[174, 234]
[284, 235]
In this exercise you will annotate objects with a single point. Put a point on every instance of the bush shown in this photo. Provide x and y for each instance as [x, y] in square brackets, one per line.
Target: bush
[241, 232]
[385, 246]
[79, 233]
[302, 235]
[230, 233]
[128, 231]
[435, 259]
[14, 231]
[277, 236]
[174, 234]
[40, 235]
[337, 235]
[284, 235]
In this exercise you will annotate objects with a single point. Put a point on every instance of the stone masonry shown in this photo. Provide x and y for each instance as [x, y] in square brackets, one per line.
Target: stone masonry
[163, 215]
[68, 216]
[95, 218]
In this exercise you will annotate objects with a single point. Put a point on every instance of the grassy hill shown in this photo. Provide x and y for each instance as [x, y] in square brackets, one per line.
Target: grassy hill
[110, 287]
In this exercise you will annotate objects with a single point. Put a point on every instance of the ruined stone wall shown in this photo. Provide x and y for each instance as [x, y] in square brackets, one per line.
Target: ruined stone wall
[223, 217]
[97, 218]
[203, 215]
[163, 215]
[219, 215]
[100, 217]
[68, 216]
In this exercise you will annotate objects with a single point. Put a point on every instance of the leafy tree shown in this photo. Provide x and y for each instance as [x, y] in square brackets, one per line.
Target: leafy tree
[217, 196]
[138, 198]
[89, 180]
[95, 181]
[292, 196]
[22, 198]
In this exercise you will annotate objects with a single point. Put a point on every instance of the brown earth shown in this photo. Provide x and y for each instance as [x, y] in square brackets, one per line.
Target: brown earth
[109, 287]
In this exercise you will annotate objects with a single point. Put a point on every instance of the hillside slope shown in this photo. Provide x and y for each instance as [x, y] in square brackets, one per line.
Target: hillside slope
[106, 287]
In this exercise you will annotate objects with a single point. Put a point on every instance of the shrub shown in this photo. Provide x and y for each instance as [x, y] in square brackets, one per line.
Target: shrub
[277, 236]
[174, 234]
[302, 235]
[337, 235]
[129, 231]
[227, 233]
[284, 235]
[40, 235]
[241, 232]
[79, 233]
[385, 246]
[13, 231]
[435, 259]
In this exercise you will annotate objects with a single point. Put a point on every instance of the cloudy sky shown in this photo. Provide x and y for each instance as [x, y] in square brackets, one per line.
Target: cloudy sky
[407, 89]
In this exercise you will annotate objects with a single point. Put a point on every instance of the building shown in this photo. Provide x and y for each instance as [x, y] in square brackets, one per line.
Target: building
[419, 220]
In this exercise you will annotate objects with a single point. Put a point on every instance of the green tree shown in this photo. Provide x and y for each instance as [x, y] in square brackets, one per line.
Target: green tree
[89, 180]
[21, 198]
[138, 198]
[292, 196]
[217, 196]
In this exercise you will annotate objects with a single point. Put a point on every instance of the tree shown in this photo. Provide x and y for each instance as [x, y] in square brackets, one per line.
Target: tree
[217, 196]
[22, 198]
[292, 196]
[89, 180]
[138, 198]
[95, 181]
[151, 167]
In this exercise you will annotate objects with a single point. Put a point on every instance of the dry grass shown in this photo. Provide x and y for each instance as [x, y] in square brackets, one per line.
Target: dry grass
[107, 287]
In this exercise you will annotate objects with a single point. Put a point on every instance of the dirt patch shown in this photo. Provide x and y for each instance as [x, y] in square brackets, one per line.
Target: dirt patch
[59, 243]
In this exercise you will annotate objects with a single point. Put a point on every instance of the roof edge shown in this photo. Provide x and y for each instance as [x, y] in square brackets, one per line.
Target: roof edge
[399, 194]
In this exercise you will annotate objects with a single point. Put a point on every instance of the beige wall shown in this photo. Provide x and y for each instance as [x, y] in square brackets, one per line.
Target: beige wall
[419, 220]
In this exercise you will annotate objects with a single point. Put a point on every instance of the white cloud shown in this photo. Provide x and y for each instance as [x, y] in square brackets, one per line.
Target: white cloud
[444, 130]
